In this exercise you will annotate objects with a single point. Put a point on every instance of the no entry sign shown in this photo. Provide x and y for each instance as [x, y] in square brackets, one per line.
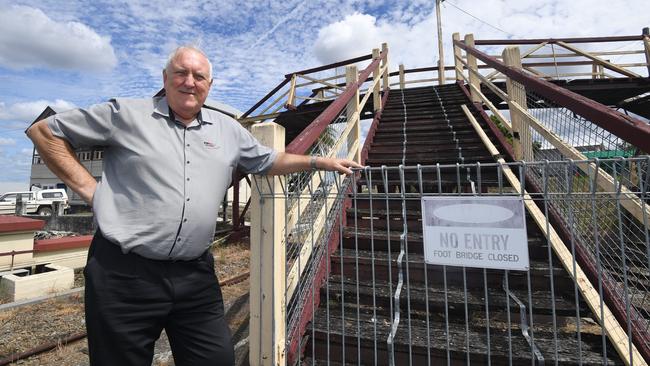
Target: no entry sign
[484, 232]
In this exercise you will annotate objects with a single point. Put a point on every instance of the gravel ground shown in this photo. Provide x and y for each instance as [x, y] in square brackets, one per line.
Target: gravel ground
[29, 326]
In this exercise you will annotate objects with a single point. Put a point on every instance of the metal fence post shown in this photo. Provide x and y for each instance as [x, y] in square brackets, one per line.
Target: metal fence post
[522, 139]
[268, 260]
[20, 205]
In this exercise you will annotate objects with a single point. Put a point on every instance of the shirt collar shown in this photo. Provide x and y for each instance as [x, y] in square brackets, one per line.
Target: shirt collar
[161, 107]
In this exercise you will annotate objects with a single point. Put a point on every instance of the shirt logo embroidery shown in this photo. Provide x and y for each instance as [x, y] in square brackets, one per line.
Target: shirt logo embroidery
[210, 145]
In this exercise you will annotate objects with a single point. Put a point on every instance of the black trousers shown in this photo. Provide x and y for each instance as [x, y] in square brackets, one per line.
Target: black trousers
[130, 300]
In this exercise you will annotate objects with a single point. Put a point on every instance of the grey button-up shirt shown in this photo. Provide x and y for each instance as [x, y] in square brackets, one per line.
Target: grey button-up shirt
[162, 182]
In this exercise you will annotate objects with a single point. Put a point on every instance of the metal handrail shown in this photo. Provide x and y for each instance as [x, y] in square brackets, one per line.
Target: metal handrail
[626, 127]
[308, 136]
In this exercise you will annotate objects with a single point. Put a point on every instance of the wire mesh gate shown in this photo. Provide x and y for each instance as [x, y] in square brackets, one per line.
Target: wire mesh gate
[369, 297]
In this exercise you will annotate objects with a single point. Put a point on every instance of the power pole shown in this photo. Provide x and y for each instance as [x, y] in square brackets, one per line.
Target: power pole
[441, 60]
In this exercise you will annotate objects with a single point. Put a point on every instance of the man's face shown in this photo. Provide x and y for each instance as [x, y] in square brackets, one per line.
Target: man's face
[187, 83]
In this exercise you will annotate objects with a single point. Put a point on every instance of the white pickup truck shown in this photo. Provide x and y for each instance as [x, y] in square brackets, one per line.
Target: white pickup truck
[39, 202]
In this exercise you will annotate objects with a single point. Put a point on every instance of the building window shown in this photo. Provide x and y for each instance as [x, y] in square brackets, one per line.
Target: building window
[84, 155]
[98, 154]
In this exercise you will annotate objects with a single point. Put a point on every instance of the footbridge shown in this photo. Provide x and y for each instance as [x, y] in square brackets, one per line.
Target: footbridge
[339, 268]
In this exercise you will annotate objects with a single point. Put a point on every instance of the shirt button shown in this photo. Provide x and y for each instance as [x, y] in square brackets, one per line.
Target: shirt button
[188, 161]
[188, 199]
[188, 145]
[188, 179]
[179, 239]
[184, 220]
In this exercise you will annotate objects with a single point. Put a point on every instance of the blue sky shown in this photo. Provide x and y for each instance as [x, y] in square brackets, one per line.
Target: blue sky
[75, 53]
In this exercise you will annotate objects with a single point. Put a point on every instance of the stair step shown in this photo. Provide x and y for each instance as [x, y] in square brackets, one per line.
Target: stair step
[344, 290]
[360, 334]
[358, 256]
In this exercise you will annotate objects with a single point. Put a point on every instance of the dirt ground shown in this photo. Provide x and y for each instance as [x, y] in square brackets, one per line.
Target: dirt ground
[28, 326]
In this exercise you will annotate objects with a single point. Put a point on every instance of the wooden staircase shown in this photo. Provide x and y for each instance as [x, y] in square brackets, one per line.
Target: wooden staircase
[445, 318]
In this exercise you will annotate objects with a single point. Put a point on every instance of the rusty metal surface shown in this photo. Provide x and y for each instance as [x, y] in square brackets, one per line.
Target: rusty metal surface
[492, 42]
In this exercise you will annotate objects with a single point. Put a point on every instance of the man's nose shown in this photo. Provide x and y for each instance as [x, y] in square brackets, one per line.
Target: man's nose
[189, 80]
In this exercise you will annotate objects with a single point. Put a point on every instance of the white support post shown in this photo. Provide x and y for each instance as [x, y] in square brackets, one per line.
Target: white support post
[268, 259]
[401, 76]
[457, 55]
[292, 91]
[386, 81]
[646, 46]
[351, 77]
[521, 136]
[594, 71]
[376, 98]
[472, 64]
[441, 56]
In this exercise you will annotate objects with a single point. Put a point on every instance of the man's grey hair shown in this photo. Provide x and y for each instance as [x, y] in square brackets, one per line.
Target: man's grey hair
[180, 49]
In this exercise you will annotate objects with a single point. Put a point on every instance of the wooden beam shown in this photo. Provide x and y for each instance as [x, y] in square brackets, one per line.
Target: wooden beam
[320, 81]
[292, 91]
[526, 54]
[376, 75]
[441, 56]
[457, 57]
[521, 136]
[615, 332]
[384, 50]
[261, 117]
[268, 259]
[606, 182]
[273, 103]
[472, 65]
[599, 60]
[646, 48]
[351, 78]
[494, 110]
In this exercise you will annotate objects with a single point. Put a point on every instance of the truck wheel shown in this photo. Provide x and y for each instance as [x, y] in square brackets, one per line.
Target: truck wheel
[45, 211]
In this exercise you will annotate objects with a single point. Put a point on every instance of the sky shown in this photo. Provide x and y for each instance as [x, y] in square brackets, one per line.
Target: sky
[69, 54]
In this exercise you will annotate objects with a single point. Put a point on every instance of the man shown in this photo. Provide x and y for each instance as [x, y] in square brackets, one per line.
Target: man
[167, 165]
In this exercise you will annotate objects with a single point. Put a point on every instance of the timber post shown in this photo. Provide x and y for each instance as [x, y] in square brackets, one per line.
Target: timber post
[521, 136]
[441, 56]
[646, 46]
[473, 69]
[458, 65]
[376, 97]
[351, 78]
[384, 50]
[401, 76]
[268, 259]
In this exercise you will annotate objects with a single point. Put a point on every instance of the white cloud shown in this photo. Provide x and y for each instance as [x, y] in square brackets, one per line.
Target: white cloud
[29, 38]
[7, 141]
[410, 31]
[28, 111]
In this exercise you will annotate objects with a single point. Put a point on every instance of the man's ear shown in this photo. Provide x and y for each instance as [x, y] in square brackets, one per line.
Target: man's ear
[164, 76]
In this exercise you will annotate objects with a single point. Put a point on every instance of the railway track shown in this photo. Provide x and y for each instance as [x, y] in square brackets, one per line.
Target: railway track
[75, 337]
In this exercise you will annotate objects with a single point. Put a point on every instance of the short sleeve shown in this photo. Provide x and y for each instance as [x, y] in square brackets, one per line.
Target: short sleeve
[86, 127]
[254, 157]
